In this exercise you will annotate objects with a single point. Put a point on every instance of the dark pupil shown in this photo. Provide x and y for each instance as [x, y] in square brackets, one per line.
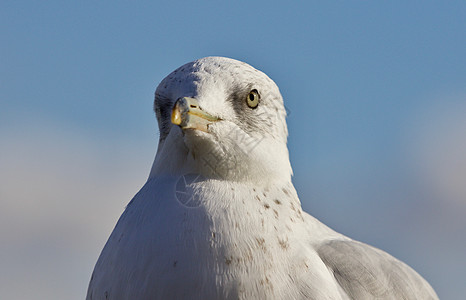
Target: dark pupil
[251, 96]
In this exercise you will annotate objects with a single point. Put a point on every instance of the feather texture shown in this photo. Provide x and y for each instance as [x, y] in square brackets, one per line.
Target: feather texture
[219, 217]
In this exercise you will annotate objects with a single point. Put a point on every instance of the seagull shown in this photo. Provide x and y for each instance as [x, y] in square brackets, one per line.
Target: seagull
[219, 217]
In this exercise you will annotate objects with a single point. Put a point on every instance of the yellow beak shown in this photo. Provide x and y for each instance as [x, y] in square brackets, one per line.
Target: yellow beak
[187, 114]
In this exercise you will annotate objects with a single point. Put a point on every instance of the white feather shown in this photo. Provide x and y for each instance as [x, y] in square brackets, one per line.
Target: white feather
[241, 232]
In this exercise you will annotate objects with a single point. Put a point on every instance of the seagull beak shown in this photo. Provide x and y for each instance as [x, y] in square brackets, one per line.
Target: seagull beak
[187, 114]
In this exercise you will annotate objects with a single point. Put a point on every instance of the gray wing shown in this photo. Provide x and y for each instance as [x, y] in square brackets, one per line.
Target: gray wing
[365, 272]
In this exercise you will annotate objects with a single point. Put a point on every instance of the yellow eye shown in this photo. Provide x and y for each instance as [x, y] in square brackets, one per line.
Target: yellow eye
[253, 99]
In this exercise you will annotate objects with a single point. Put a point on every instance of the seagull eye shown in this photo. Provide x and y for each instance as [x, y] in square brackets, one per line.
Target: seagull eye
[253, 99]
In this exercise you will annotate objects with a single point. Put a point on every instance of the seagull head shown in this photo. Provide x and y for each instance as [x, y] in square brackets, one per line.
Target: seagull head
[222, 119]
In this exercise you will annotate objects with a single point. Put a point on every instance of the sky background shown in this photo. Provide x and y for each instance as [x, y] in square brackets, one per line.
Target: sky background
[376, 93]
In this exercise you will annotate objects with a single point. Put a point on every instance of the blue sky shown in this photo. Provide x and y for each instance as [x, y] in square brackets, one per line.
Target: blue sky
[377, 100]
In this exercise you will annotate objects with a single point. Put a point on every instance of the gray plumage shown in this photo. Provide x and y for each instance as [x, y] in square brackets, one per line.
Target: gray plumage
[365, 272]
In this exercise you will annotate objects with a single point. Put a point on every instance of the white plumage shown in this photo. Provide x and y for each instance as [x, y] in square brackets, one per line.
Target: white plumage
[219, 217]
